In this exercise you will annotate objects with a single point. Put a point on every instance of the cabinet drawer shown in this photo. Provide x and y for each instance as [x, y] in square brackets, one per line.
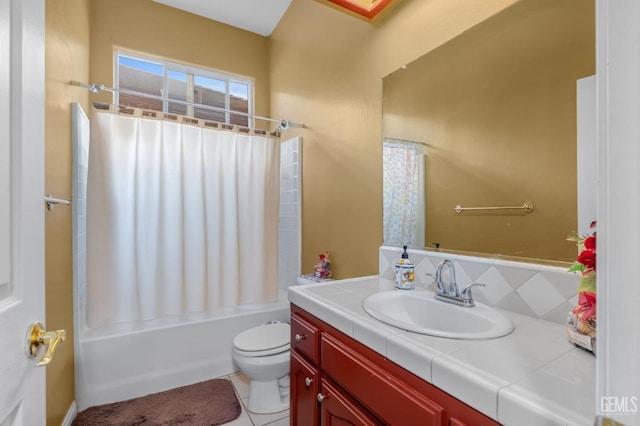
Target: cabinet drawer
[304, 338]
[375, 388]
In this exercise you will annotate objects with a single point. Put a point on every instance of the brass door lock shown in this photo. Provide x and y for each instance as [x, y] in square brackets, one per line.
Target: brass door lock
[37, 337]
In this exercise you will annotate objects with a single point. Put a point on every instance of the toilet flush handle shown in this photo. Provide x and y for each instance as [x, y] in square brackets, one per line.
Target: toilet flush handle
[299, 337]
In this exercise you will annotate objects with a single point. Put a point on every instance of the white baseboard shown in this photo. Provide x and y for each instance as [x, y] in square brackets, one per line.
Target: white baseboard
[71, 414]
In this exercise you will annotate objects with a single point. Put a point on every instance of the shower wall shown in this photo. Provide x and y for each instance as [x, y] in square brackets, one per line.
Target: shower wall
[290, 238]
[80, 149]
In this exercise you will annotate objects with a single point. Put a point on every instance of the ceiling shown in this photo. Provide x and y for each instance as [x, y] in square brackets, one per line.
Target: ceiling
[257, 16]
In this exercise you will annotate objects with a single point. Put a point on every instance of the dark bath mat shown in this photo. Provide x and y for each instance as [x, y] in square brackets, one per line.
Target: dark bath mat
[209, 403]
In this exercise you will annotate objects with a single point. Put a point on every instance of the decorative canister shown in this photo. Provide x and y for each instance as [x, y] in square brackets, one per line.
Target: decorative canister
[404, 272]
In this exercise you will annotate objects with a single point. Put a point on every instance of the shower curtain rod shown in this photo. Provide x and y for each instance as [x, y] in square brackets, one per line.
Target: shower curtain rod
[283, 124]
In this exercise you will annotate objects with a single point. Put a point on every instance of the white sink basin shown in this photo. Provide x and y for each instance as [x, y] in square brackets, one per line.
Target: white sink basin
[419, 312]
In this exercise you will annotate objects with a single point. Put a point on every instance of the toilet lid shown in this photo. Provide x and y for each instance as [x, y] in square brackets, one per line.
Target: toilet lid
[263, 337]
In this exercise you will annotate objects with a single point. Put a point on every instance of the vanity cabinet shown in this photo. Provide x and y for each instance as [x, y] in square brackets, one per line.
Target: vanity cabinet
[337, 380]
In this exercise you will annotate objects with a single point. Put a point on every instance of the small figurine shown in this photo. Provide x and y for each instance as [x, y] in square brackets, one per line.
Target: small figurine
[323, 267]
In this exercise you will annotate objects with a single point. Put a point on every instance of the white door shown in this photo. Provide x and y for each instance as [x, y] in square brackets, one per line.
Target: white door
[618, 85]
[22, 384]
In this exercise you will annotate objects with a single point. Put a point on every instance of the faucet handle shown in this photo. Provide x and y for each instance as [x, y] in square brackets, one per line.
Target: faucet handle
[466, 292]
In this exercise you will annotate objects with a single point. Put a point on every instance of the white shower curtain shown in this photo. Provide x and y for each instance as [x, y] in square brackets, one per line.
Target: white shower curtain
[181, 218]
[403, 190]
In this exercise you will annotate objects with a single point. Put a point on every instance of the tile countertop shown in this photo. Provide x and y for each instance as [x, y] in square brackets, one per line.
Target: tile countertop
[532, 376]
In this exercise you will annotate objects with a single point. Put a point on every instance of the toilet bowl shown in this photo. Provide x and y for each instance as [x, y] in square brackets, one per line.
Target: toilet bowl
[262, 354]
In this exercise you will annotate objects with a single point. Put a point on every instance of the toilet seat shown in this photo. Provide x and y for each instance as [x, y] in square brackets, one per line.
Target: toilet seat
[263, 340]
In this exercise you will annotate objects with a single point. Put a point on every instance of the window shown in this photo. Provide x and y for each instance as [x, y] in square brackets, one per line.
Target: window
[179, 89]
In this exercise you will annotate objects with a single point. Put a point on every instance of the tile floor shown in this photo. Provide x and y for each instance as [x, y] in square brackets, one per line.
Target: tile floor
[241, 385]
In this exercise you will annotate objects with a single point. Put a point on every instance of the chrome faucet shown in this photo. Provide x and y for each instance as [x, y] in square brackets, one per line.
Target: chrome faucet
[448, 292]
[450, 289]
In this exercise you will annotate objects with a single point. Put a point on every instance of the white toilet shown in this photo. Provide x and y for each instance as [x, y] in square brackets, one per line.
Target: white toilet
[262, 354]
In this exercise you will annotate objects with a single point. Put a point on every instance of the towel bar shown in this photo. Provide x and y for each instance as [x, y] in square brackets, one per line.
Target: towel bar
[527, 207]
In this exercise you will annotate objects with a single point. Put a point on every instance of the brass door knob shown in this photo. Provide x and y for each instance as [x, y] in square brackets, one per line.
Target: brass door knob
[37, 337]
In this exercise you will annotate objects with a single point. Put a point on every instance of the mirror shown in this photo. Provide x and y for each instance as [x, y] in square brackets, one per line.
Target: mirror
[495, 109]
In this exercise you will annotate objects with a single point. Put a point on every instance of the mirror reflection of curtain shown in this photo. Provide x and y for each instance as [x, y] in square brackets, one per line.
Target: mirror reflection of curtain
[403, 175]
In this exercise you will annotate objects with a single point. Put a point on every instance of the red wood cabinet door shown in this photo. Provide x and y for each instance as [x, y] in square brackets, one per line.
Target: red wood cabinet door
[337, 409]
[304, 392]
[455, 422]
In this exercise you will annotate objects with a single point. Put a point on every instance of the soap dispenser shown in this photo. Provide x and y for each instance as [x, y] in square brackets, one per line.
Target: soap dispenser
[404, 272]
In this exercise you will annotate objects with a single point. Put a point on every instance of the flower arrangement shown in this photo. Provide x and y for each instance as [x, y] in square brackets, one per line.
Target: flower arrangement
[581, 324]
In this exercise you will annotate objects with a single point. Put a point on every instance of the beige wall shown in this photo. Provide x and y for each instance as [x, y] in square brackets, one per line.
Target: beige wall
[498, 114]
[66, 58]
[157, 30]
[327, 70]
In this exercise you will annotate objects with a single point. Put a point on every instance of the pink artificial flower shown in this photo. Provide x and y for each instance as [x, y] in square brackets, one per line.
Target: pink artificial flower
[586, 305]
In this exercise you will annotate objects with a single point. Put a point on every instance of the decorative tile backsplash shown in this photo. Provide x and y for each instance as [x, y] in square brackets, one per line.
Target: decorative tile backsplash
[539, 291]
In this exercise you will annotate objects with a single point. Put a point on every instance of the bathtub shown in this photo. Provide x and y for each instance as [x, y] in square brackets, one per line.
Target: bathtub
[128, 360]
